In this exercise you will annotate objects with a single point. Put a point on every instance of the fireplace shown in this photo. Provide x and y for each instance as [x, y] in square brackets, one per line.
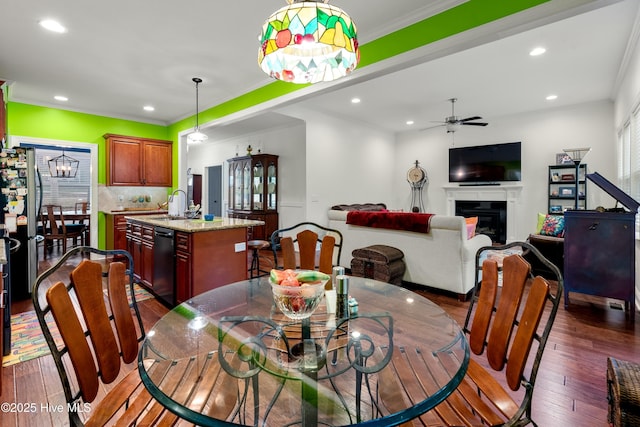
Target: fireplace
[509, 193]
[492, 217]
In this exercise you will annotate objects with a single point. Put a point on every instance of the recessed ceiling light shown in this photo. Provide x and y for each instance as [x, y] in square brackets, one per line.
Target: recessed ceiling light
[551, 97]
[409, 122]
[537, 51]
[355, 100]
[60, 98]
[52, 25]
[148, 108]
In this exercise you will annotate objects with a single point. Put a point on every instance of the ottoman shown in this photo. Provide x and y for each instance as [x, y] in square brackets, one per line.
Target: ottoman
[378, 262]
[623, 389]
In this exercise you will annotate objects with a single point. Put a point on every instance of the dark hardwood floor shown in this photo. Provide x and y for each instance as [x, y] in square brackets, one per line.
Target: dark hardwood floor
[570, 391]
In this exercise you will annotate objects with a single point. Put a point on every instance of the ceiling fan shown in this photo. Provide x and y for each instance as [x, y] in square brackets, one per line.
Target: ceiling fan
[454, 122]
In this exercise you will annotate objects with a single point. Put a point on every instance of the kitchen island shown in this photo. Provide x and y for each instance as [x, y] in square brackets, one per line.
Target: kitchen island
[177, 259]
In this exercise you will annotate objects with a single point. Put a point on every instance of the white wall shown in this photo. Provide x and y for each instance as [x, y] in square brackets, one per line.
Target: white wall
[543, 134]
[288, 143]
[346, 162]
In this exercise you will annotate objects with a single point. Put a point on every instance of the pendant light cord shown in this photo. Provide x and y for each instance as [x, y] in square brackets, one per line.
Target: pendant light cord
[197, 82]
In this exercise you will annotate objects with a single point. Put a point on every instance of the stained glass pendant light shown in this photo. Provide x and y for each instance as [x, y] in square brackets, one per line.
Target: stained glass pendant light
[196, 136]
[63, 166]
[308, 42]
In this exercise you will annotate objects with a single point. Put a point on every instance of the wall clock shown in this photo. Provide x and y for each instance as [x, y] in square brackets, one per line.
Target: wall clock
[417, 178]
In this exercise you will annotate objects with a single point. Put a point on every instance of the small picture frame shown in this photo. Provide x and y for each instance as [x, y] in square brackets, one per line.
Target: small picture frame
[555, 177]
[567, 177]
[567, 191]
[563, 159]
[555, 209]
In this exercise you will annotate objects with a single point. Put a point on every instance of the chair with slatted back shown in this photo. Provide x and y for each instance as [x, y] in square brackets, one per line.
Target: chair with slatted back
[307, 236]
[93, 328]
[56, 230]
[509, 319]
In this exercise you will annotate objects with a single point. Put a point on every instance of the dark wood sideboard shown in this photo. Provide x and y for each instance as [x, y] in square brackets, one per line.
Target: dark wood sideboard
[599, 249]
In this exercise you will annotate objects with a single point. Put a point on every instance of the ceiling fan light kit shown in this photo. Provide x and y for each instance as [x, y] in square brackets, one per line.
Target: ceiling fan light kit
[453, 123]
[308, 42]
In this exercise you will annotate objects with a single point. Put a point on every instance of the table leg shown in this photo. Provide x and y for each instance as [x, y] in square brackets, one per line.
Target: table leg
[310, 370]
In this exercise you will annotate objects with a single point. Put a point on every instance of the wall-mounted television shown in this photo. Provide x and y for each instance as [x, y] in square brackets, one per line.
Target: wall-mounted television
[484, 164]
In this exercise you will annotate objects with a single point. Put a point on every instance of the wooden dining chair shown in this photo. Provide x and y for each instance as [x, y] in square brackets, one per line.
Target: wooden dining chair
[93, 328]
[82, 207]
[509, 318]
[56, 230]
[307, 236]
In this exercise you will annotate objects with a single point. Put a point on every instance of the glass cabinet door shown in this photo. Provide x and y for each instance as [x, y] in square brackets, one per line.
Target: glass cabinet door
[258, 186]
[271, 187]
[246, 186]
[237, 186]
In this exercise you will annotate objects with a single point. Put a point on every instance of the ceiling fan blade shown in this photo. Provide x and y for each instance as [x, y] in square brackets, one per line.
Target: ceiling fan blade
[471, 118]
[431, 127]
[474, 123]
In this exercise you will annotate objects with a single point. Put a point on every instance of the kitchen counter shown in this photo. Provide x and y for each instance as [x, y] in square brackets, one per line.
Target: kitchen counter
[198, 256]
[135, 211]
[194, 225]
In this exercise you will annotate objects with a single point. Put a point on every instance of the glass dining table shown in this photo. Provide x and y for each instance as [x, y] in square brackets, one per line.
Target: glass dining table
[229, 357]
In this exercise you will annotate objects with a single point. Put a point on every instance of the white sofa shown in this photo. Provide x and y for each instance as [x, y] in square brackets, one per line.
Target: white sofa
[443, 258]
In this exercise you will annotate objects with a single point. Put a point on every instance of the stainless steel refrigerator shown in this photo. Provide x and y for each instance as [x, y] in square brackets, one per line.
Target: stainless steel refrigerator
[20, 205]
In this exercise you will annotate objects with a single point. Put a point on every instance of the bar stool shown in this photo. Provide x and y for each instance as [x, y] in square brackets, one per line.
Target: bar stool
[255, 246]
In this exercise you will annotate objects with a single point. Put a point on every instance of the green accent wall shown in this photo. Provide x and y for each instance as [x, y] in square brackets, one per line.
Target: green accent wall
[56, 124]
[50, 123]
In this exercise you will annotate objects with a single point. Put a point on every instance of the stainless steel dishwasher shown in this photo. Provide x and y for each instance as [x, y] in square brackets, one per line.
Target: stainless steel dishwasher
[164, 281]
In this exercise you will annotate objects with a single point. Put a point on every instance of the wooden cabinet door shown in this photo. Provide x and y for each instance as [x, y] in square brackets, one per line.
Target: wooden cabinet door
[183, 277]
[116, 232]
[120, 236]
[134, 246]
[157, 164]
[138, 161]
[146, 255]
[146, 276]
[125, 162]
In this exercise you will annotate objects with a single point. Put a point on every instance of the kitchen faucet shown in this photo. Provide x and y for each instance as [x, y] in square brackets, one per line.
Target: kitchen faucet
[178, 190]
[189, 211]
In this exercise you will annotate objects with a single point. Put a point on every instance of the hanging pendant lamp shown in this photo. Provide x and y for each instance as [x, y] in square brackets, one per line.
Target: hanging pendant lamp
[196, 136]
[308, 42]
[63, 166]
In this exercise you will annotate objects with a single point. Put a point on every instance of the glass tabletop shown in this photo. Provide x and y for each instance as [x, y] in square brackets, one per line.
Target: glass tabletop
[230, 357]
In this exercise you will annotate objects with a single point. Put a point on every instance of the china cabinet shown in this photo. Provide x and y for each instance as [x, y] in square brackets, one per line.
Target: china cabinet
[253, 192]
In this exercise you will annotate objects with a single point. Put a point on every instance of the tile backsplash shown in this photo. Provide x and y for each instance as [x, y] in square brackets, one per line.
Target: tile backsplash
[118, 198]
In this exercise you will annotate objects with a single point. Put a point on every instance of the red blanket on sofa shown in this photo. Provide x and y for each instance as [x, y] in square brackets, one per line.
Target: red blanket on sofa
[407, 221]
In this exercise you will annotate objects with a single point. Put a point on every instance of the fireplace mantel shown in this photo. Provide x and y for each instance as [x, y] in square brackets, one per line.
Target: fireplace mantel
[510, 193]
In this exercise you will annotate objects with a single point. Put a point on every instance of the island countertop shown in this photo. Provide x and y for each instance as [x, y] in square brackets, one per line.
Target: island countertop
[193, 225]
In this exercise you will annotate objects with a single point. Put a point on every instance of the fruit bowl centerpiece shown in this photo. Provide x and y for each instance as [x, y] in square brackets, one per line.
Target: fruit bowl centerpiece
[297, 293]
